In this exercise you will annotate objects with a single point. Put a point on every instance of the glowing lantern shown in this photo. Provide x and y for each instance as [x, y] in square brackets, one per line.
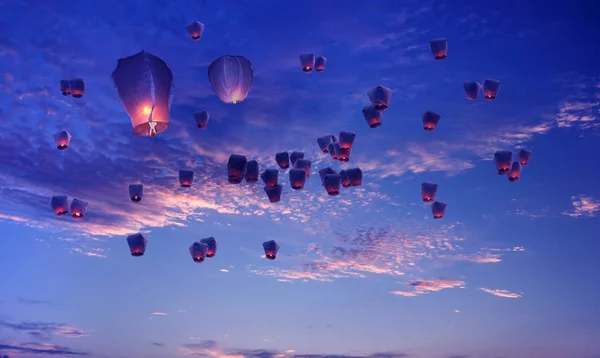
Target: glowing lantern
[472, 89]
[62, 140]
[515, 172]
[137, 244]
[271, 249]
[305, 165]
[490, 89]
[356, 176]
[320, 62]
[332, 184]
[274, 193]
[77, 87]
[136, 191]
[524, 156]
[195, 30]
[345, 179]
[438, 209]
[295, 156]
[380, 97]
[144, 83]
[323, 143]
[270, 177]
[325, 171]
[65, 87]
[231, 78]
[198, 250]
[186, 178]
[439, 48]
[334, 150]
[344, 155]
[201, 119]
[307, 61]
[347, 139]
[297, 178]
[78, 208]
[430, 120]
[428, 191]
[211, 243]
[372, 116]
[252, 171]
[236, 168]
[283, 160]
[503, 161]
[60, 204]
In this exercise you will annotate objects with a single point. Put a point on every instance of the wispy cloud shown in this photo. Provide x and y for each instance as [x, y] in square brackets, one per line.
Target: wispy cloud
[159, 313]
[421, 287]
[44, 330]
[502, 293]
[27, 301]
[40, 348]
[583, 206]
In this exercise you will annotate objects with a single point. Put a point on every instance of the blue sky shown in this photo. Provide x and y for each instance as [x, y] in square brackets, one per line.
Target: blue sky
[510, 271]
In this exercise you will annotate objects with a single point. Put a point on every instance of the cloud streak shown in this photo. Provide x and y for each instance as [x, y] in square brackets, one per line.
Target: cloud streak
[502, 293]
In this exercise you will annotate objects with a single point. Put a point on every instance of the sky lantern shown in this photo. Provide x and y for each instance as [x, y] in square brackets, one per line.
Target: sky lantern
[274, 193]
[323, 143]
[334, 150]
[252, 171]
[144, 83]
[270, 177]
[325, 171]
[344, 155]
[320, 62]
[438, 209]
[428, 191]
[490, 89]
[295, 156]
[347, 139]
[236, 168]
[186, 178]
[136, 191]
[231, 78]
[345, 179]
[137, 244]
[77, 87]
[380, 97]
[198, 250]
[201, 118]
[297, 178]
[305, 165]
[65, 87]
[356, 176]
[283, 160]
[372, 116]
[332, 184]
[515, 172]
[439, 48]
[60, 204]
[334, 138]
[195, 30]
[524, 156]
[62, 140]
[78, 208]
[271, 249]
[211, 243]
[307, 61]
[503, 161]
[430, 120]
[472, 89]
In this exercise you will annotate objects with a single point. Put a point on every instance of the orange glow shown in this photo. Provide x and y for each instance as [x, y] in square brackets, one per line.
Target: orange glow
[146, 110]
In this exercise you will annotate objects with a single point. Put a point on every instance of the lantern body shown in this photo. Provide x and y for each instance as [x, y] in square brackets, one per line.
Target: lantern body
[201, 119]
[345, 179]
[430, 120]
[195, 30]
[524, 156]
[307, 61]
[372, 116]
[344, 155]
[503, 161]
[270, 177]
[77, 87]
[515, 172]
[252, 171]
[283, 160]
[62, 140]
[439, 48]
[380, 97]
[334, 150]
[136, 191]
[305, 165]
[274, 193]
[137, 244]
[78, 208]
[198, 250]
[472, 89]
[428, 191]
[346, 139]
[186, 178]
[356, 176]
[271, 249]
[323, 143]
[211, 244]
[490, 89]
[297, 178]
[438, 209]
[332, 184]
[231, 78]
[65, 88]
[295, 156]
[325, 171]
[236, 168]
[60, 204]
[320, 62]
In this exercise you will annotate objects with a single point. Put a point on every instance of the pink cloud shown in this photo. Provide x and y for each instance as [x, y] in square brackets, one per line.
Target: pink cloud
[422, 287]
[583, 206]
[502, 293]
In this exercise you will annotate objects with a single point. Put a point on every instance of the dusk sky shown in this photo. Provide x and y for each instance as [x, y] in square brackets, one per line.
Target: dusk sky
[511, 271]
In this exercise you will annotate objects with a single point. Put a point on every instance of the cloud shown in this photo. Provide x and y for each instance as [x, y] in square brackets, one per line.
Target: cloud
[40, 348]
[44, 330]
[422, 287]
[582, 107]
[159, 314]
[583, 206]
[502, 293]
[157, 344]
[27, 301]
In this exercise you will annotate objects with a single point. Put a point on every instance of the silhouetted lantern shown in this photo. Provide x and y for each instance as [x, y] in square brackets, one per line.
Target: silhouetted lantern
[515, 172]
[271, 249]
[295, 156]
[490, 89]
[380, 97]
[347, 139]
[195, 30]
[65, 87]
[334, 138]
[201, 119]
[77, 87]
[297, 178]
[428, 191]
[78, 208]
[323, 143]
[472, 89]
[211, 243]
[270, 177]
[320, 62]
[236, 168]
[274, 193]
[344, 155]
[62, 140]
[252, 171]
[305, 165]
[283, 160]
[503, 161]
[438, 209]
[356, 176]
[524, 156]
[334, 150]
[430, 120]
[186, 178]
[137, 244]
[231, 78]
[345, 179]
[372, 116]
[60, 204]
[307, 61]
[144, 83]
[332, 184]
[439, 48]
[325, 171]
[136, 191]
[198, 250]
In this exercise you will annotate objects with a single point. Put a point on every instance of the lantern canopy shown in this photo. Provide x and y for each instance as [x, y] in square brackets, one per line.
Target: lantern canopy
[283, 160]
[137, 244]
[320, 62]
[372, 116]
[201, 118]
[274, 193]
[428, 191]
[515, 172]
[472, 89]
[490, 89]
[271, 249]
[62, 140]
[270, 177]
[503, 161]
[195, 30]
[438, 209]
[65, 87]
[380, 97]
[78, 208]
[524, 156]
[60, 204]
[77, 87]
[252, 171]
[439, 48]
[136, 191]
[307, 61]
[356, 176]
[297, 178]
[236, 168]
[186, 178]
[198, 250]
[231, 78]
[430, 120]
[211, 243]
